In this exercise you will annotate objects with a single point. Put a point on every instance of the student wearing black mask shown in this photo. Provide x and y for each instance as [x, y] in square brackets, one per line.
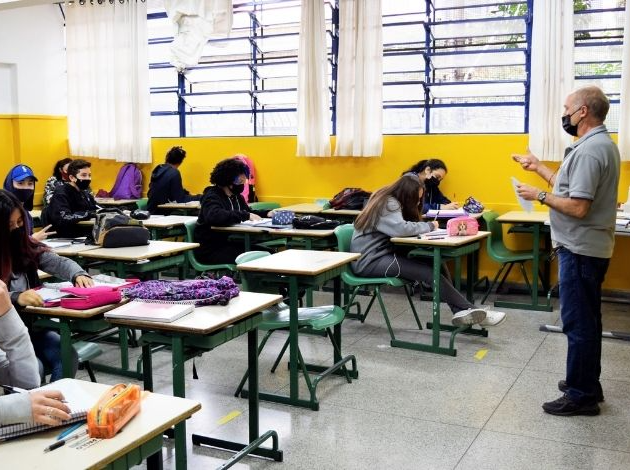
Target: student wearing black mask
[20, 181]
[72, 202]
[221, 205]
[432, 172]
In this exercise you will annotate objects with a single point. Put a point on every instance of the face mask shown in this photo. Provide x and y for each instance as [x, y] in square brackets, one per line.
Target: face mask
[571, 129]
[24, 195]
[17, 235]
[237, 188]
[434, 182]
[83, 184]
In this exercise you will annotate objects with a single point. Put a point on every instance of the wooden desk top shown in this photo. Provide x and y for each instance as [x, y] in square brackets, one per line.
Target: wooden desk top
[304, 208]
[518, 217]
[351, 212]
[71, 313]
[154, 249]
[448, 241]
[280, 232]
[181, 205]
[74, 249]
[300, 262]
[110, 201]
[165, 221]
[157, 413]
[211, 318]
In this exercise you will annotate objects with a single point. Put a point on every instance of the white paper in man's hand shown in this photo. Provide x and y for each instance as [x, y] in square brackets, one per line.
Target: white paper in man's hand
[527, 206]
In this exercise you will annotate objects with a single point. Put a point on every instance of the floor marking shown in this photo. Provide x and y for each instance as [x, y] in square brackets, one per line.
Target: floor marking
[229, 417]
[479, 355]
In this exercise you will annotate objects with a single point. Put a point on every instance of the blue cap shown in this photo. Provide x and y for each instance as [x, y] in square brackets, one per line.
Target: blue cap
[21, 172]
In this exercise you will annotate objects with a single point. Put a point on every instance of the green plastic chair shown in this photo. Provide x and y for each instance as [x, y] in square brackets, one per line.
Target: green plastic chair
[261, 206]
[142, 203]
[344, 236]
[501, 254]
[86, 352]
[216, 269]
[321, 318]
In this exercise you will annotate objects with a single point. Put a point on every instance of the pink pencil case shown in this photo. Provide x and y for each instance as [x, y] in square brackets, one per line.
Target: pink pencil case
[84, 298]
[462, 226]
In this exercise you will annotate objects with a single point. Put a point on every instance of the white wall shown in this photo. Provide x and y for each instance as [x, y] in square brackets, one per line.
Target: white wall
[33, 60]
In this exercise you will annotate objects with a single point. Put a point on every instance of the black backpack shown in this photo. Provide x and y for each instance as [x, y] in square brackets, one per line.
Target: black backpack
[350, 198]
[314, 222]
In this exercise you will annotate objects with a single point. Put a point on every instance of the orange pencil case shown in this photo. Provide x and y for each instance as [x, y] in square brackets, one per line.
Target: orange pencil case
[113, 410]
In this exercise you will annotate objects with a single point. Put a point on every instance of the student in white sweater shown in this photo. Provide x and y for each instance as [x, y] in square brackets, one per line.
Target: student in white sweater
[19, 368]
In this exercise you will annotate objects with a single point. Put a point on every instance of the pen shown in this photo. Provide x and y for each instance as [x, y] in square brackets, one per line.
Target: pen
[62, 442]
[70, 430]
[11, 389]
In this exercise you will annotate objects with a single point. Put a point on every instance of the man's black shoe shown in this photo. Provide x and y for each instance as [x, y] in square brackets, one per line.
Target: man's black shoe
[563, 406]
[564, 388]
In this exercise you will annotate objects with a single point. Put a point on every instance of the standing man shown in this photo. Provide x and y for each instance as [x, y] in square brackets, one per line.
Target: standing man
[582, 207]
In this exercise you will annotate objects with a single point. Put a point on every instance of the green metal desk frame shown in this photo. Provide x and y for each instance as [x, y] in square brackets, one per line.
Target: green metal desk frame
[152, 267]
[186, 346]
[295, 283]
[438, 253]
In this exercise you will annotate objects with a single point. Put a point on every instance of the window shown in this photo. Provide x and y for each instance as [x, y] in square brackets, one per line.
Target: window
[449, 66]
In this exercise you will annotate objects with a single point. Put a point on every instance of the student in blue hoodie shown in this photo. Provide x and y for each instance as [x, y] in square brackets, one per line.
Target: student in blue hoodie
[166, 183]
[20, 181]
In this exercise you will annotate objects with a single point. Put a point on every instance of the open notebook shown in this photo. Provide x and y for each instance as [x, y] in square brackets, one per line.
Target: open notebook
[151, 311]
[78, 400]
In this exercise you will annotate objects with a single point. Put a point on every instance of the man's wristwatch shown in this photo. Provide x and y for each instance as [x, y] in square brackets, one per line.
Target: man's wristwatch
[542, 196]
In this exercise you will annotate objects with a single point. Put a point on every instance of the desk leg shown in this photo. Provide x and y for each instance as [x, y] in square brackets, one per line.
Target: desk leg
[293, 339]
[179, 390]
[437, 267]
[66, 348]
[470, 274]
[254, 402]
[337, 329]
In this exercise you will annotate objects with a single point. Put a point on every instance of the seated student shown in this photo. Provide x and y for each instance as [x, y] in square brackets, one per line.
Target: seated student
[20, 258]
[221, 205]
[71, 202]
[166, 183]
[59, 176]
[21, 182]
[18, 368]
[432, 172]
[392, 211]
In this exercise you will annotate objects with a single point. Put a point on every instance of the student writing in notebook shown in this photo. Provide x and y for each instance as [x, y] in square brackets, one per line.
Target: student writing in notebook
[18, 368]
[20, 258]
[222, 205]
[432, 172]
[392, 211]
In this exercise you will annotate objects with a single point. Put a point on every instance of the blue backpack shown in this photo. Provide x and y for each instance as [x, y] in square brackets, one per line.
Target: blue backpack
[128, 183]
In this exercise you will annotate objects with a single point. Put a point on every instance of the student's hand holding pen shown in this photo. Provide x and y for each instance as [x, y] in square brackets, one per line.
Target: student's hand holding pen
[47, 407]
[30, 298]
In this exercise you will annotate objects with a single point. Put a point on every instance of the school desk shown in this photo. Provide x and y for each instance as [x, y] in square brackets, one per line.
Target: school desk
[303, 268]
[153, 258]
[111, 202]
[309, 237]
[162, 226]
[141, 438]
[84, 323]
[186, 207]
[449, 247]
[200, 331]
[304, 208]
[535, 220]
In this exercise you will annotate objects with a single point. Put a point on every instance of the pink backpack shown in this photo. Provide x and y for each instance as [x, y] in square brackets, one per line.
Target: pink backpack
[128, 183]
[249, 193]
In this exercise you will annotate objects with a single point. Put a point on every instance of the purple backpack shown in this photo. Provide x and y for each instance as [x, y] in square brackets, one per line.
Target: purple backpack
[128, 183]
[191, 291]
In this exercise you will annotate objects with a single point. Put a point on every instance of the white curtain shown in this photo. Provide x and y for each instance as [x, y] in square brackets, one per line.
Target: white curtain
[313, 101]
[196, 21]
[360, 79]
[551, 77]
[108, 89]
[624, 117]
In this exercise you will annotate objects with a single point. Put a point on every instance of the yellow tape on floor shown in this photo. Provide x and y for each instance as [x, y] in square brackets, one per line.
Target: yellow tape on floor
[479, 355]
[229, 417]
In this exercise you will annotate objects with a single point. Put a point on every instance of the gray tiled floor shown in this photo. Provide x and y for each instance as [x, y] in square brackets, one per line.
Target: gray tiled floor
[414, 410]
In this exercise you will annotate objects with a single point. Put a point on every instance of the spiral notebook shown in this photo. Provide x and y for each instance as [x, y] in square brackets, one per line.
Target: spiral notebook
[161, 311]
[77, 400]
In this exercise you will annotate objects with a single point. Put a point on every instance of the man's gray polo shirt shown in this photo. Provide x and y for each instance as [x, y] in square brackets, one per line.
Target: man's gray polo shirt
[590, 170]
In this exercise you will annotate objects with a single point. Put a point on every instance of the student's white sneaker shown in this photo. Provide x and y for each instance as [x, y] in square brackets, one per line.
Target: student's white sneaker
[469, 316]
[493, 318]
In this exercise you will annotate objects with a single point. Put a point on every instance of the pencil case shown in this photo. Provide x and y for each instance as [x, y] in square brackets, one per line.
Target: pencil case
[462, 226]
[84, 298]
[113, 410]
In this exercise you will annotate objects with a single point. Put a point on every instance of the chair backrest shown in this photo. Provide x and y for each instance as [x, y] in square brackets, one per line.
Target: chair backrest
[190, 237]
[142, 203]
[495, 241]
[250, 283]
[344, 236]
[261, 206]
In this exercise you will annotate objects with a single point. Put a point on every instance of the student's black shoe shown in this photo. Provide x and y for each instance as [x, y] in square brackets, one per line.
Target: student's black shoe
[284, 292]
[564, 388]
[564, 406]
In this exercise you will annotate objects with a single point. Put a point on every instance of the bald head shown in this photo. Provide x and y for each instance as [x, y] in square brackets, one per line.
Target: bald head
[594, 99]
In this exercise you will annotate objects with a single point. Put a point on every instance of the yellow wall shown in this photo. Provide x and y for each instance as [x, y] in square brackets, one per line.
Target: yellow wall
[479, 165]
